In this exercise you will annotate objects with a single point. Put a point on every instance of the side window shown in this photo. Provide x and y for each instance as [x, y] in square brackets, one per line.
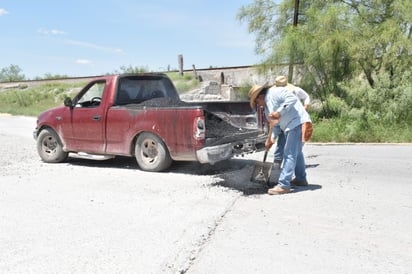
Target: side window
[92, 97]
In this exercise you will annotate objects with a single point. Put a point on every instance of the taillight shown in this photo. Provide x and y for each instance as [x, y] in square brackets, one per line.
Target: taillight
[199, 128]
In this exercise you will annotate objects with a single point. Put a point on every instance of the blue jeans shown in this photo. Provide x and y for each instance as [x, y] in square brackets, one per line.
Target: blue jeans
[280, 144]
[293, 160]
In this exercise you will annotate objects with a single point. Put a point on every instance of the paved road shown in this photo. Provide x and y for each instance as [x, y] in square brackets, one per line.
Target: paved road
[110, 217]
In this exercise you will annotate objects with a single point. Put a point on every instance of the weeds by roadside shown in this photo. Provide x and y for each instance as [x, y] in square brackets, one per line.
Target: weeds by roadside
[34, 100]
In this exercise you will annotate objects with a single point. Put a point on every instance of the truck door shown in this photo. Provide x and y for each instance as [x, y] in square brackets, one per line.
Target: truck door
[88, 119]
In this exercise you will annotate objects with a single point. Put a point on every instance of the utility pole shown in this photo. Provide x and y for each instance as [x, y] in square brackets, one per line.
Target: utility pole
[296, 13]
[180, 61]
[292, 52]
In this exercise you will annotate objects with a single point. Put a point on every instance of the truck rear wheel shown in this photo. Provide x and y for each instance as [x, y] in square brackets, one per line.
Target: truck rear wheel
[50, 148]
[151, 153]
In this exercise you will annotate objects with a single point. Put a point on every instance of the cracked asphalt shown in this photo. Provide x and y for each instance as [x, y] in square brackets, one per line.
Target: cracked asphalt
[109, 217]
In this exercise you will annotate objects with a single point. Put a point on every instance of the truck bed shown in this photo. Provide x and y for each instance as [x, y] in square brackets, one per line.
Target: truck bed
[225, 121]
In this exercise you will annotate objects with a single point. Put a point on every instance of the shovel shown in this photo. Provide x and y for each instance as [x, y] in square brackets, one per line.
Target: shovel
[261, 171]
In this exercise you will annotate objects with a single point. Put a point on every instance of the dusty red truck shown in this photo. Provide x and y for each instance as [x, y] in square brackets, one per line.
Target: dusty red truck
[141, 116]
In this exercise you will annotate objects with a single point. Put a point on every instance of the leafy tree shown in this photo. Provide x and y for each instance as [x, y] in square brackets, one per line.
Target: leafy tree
[316, 41]
[11, 73]
[336, 41]
[381, 37]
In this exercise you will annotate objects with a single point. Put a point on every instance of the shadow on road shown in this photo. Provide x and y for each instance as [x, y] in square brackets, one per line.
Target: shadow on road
[310, 187]
[250, 188]
[117, 162]
[183, 167]
[233, 173]
[239, 178]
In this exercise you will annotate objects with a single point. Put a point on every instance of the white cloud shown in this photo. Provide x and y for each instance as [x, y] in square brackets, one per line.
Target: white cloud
[93, 46]
[3, 12]
[83, 61]
[51, 32]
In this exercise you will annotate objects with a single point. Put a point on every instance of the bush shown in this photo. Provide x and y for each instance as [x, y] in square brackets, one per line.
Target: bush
[185, 82]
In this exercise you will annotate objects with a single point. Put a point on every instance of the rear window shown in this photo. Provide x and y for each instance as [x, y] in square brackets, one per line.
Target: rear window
[136, 89]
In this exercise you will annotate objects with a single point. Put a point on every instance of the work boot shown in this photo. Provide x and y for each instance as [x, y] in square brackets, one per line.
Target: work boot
[296, 182]
[277, 190]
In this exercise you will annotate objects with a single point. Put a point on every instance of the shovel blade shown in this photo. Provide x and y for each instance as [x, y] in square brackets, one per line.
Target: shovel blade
[261, 173]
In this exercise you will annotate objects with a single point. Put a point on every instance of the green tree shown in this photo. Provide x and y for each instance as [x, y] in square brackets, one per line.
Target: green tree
[317, 42]
[381, 38]
[336, 41]
[11, 73]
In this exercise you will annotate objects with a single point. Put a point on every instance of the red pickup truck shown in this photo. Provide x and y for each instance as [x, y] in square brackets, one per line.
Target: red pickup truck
[141, 116]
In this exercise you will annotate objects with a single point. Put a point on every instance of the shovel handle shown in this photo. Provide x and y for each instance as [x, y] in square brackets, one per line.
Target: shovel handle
[267, 140]
[270, 131]
[265, 155]
[269, 134]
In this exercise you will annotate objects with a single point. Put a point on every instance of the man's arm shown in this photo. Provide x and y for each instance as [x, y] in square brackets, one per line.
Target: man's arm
[303, 95]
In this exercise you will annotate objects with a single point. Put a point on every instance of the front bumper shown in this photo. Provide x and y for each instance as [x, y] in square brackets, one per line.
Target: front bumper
[35, 135]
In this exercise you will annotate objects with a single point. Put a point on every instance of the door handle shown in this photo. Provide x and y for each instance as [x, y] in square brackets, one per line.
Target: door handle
[97, 117]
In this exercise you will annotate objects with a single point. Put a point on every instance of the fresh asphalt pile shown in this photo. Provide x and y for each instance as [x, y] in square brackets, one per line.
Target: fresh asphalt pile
[109, 217]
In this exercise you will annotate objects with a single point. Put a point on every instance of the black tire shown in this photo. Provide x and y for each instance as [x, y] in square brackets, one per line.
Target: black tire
[151, 153]
[50, 148]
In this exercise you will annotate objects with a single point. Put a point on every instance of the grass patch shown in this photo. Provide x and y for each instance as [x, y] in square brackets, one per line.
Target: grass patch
[32, 101]
[184, 83]
[344, 131]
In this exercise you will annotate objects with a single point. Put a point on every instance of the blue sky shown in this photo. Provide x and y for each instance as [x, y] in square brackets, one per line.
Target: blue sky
[87, 38]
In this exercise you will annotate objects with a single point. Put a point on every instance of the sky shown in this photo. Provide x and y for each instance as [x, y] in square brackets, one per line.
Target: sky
[89, 38]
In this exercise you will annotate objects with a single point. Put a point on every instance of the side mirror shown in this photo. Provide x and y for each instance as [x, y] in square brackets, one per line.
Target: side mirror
[68, 102]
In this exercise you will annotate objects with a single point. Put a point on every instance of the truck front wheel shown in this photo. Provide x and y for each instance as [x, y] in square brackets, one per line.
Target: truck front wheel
[151, 153]
[50, 148]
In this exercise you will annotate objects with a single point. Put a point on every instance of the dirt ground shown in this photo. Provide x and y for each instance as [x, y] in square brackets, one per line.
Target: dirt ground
[109, 217]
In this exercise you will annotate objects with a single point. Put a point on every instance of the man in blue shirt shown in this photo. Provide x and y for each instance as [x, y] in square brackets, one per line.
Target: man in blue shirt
[304, 97]
[285, 112]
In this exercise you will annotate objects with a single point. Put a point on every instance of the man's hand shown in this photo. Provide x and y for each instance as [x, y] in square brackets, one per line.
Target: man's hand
[274, 117]
[269, 143]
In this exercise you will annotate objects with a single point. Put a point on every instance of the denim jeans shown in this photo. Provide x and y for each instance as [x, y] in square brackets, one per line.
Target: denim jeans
[280, 144]
[293, 160]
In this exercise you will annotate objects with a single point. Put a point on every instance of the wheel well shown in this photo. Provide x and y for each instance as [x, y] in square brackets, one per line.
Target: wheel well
[44, 127]
[133, 144]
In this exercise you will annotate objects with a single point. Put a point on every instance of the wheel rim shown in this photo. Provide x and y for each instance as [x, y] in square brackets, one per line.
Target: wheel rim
[49, 145]
[149, 151]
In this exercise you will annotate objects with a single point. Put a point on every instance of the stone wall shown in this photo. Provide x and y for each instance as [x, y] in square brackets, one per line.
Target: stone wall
[221, 83]
[243, 76]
